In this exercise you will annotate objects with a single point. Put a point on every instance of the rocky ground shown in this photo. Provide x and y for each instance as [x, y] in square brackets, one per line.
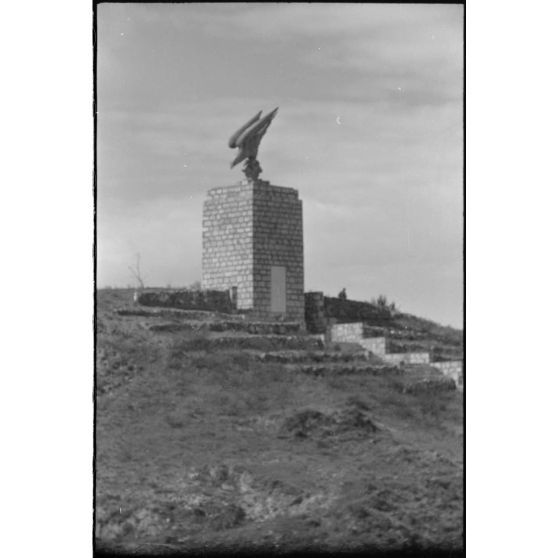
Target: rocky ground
[210, 441]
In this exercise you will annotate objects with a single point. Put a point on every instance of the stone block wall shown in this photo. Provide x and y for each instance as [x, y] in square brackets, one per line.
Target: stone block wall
[354, 333]
[314, 312]
[227, 239]
[453, 369]
[376, 345]
[208, 300]
[247, 229]
[278, 241]
[346, 333]
[321, 310]
[407, 358]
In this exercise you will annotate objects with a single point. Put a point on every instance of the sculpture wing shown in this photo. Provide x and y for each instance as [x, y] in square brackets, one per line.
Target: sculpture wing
[258, 127]
[248, 137]
[240, 157]
[233, 141]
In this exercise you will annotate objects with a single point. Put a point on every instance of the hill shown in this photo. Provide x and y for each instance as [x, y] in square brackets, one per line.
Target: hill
[229, 440]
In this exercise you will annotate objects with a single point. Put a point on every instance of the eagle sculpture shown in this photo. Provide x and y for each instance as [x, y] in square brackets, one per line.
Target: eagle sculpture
[247, 138]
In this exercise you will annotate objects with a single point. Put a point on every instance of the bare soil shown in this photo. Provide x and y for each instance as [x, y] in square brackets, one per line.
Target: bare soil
[200, 447]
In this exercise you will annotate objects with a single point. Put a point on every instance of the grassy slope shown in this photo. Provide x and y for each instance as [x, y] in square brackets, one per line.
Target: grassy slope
[198, 448]
[411, 333]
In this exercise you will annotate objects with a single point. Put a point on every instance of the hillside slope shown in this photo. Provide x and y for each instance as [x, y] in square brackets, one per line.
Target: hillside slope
[201, 445]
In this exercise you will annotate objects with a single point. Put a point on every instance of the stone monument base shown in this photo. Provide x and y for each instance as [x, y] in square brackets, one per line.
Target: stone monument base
[253, 243]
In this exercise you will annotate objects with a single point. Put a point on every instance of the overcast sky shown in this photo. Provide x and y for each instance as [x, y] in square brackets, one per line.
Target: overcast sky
[369, 131]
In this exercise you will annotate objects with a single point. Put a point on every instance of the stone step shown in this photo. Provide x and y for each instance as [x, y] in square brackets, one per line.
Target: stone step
[422, 371]
[186, 299]
[259, 343]
[301, 356]
[343, 368]
[420, 378]
[254, 328]
[258, 328]
[405, 359]
[176, 313]
[431, 384]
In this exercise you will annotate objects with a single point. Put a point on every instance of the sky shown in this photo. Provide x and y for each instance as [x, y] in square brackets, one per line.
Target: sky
[369, 131]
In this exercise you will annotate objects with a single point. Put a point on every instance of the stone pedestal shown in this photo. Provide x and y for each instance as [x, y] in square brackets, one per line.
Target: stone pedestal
[252, 240]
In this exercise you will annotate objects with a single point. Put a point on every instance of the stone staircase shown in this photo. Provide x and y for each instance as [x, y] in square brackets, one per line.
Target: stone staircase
[356, 333]
[285, 343]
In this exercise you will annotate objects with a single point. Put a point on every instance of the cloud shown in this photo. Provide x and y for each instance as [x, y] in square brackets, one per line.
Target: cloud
[287, 21]
[417, 48]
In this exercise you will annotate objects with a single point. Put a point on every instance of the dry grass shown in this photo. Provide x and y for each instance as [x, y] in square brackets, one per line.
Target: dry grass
[197, 448]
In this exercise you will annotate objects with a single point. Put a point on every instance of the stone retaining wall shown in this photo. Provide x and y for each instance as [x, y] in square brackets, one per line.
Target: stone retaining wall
[321, 310]
[314, 312]
[407, 358]
[430, 385]
[212, 300]
[376, 345]
[354, 333]
[452, 369]
[346, 333]
[355, 311]
[255, 328]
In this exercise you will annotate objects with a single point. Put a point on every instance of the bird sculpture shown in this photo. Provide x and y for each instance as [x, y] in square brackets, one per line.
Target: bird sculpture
[247, 138]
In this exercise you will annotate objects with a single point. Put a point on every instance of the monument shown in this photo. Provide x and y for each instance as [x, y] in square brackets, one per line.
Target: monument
[252, 236]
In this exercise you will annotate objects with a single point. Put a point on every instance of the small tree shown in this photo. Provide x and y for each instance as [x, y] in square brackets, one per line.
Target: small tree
[136, 272]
